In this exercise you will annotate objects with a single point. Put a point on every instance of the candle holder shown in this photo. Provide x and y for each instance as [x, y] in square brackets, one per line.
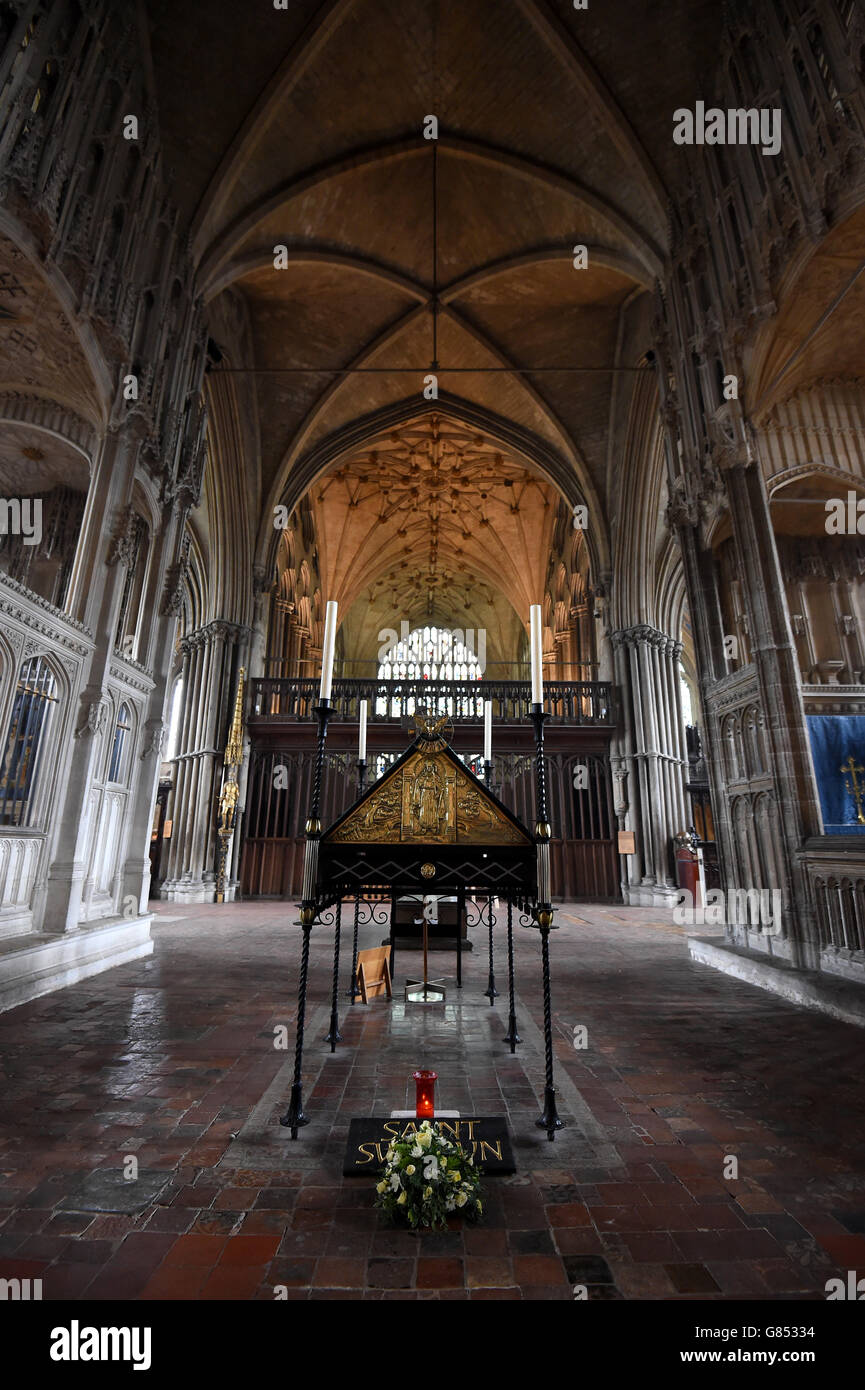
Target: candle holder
[491, 992]
[511, 1036]
[543, 914]
[425, 1085]
[294, 1117]
[334, 1035]
[488, 772]
[354, 992]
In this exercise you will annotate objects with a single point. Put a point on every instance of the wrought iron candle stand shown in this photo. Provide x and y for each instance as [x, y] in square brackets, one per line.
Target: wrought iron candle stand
[511, 1036]
[354, 992]
[294, 1117]
[334, 1035]
[543, 913]
[490, 992]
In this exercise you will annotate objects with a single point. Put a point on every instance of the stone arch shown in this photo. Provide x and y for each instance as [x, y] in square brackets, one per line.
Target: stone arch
[571, 478]
[768, 840]
[77, 377]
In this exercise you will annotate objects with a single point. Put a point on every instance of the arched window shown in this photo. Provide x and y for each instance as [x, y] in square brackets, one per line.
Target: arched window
[121, 731]
[35, 696]
[430, 654]
[40, 527]
[174, 720]
[687, 707]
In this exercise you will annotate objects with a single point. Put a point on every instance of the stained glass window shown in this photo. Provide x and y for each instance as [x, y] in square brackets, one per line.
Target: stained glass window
[431, 654]
[35, 695]
[121, 729]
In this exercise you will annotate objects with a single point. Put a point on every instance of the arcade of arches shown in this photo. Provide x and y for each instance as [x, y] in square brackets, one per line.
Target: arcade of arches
[217, 344]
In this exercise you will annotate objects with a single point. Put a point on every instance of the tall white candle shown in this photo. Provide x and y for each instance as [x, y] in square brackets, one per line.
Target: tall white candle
[537, 650]
[488, 731]
[361, 743]
[328, 650]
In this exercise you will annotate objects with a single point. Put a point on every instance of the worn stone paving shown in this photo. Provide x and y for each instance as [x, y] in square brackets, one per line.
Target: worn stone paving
[172, 1061]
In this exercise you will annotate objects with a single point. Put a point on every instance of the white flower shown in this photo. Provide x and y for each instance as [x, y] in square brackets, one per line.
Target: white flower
[401, 1199]
[381, 1187]
[410, 1169]
[424, 1138]
[395, 1182]
[450, 1204]
[417, 1151]
[461, 1199]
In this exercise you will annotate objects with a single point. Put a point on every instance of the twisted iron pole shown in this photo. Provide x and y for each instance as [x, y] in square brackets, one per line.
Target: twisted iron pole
[511, 1036]
[294, 1116]
[334, 1036]
[549, 1120]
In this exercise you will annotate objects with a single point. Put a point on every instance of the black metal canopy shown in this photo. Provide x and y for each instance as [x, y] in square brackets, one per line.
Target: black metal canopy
[428, 824]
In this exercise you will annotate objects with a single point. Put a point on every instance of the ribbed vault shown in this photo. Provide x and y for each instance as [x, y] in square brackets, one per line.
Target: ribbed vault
[433, 521]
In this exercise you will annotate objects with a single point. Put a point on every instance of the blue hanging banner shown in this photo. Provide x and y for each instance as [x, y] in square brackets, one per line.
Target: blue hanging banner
[838, 749]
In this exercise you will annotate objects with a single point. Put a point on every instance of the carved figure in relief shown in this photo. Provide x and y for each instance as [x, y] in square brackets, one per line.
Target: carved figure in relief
[428, 806]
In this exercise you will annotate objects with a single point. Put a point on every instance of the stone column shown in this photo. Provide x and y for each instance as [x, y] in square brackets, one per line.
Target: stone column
[162, 603]
[650, 757]
[94, 600]
[208, 699]
[775, 660]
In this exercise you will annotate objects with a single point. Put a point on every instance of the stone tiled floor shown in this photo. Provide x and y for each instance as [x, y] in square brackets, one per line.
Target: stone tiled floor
[172, 1061]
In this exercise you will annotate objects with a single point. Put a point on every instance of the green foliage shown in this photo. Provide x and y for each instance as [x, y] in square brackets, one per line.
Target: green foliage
[427, 1177]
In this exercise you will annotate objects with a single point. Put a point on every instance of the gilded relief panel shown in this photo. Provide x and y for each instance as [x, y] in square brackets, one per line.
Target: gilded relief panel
[428, 801]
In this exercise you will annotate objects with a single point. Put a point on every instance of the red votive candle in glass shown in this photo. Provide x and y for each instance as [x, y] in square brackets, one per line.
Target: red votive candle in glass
[425, 1085]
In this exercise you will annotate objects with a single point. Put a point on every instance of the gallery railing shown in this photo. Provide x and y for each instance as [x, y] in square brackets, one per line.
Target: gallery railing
[567, 702]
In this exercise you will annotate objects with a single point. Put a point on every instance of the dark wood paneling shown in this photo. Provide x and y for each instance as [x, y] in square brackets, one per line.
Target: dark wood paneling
[584, 852]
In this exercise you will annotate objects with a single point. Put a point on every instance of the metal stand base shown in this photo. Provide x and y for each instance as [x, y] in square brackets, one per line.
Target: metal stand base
[294, 1117]
[512, 1036]
[424, 992]
[550, 1119]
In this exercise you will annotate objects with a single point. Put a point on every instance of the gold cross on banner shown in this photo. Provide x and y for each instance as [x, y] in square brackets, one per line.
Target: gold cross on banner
[854, 786]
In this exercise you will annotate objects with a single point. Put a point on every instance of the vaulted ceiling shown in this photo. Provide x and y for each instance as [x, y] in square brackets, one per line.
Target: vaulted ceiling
[437, 524]
[303, 128]
[40, 353]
